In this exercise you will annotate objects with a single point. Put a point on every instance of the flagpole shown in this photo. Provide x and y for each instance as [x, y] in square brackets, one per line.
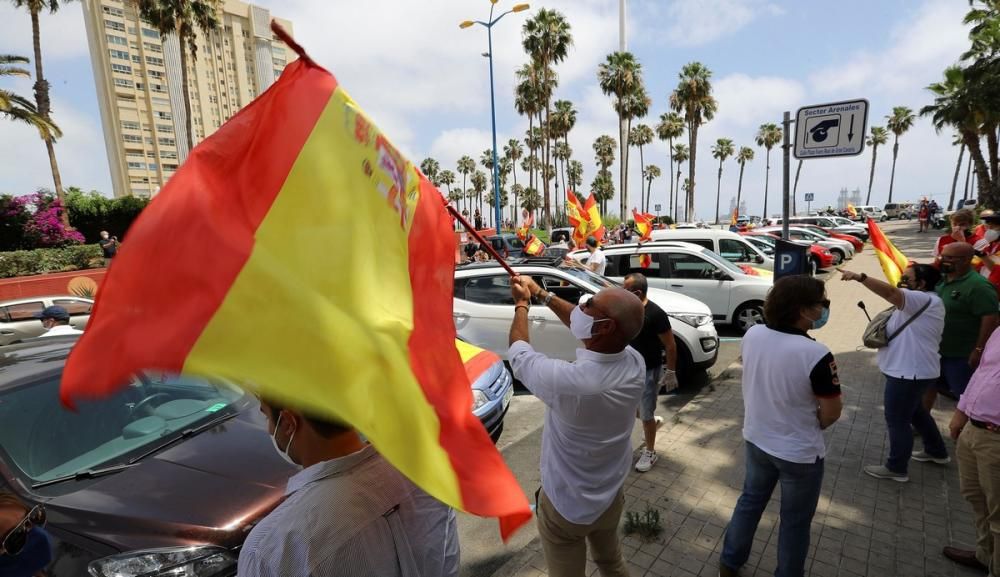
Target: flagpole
[482, 242]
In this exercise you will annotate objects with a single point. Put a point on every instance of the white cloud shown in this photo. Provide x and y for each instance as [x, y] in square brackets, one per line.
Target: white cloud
[701, 22]
[62, 33]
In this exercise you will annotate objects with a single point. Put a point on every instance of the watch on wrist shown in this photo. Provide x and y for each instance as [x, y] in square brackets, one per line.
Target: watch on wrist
[547, 299]
[864, 277]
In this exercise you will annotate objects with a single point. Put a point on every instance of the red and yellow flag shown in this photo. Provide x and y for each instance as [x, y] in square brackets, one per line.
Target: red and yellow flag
[852, 211]
[525, 229]
[735, 217]
[533, 246]
[255, 264]
[584, 218]
[645, 260]
[643, 224]
[893, 262]
[595, 226]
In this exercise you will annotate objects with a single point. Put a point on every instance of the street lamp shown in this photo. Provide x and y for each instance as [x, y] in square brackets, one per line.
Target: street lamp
[493, 106]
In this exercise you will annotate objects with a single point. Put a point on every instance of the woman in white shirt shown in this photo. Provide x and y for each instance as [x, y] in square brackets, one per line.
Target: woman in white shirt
[910, 364]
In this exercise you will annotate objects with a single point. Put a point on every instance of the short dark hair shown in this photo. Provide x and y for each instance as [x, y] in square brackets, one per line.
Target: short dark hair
[963, 215]
[926, 274]
[591, 241]
[326, 427]
[789, 295]
[638, 281]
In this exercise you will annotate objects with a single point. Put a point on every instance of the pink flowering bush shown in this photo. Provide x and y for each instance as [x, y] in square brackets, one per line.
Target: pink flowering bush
[41, 215]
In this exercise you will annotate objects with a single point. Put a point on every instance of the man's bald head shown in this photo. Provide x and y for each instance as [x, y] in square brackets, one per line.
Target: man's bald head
[625, 309]
[956, 259]
[958, 250]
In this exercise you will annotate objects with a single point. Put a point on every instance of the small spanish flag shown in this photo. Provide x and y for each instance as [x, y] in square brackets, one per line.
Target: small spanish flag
[735, 218]
[852, 211]
[533, 246]
[893, 262]
[363, 340]
[525, 229]
[645, 260]
[643, 224]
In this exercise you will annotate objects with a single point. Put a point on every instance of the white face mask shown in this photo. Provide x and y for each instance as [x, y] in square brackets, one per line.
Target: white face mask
[992, 235]
[283, 454]
[581, 324]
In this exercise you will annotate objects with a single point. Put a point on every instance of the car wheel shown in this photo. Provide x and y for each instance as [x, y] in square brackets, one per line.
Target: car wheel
[884, 218]
[838, 256]
[748, 315]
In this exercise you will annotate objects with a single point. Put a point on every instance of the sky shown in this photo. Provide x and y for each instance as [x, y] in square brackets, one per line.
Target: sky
[426, 84]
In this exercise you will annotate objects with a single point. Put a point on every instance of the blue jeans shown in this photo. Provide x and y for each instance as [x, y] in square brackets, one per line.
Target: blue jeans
[800, 487]
[904, 407]
[650, 394]
[955, 374]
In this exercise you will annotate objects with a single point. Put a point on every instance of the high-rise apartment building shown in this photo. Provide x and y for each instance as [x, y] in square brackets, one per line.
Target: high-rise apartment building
[139, 86]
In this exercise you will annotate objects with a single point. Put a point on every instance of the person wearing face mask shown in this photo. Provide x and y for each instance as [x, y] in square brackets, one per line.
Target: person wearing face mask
[347, 512]
[970, 304]
[791, 392]
[961, 232]
[911, 366]
[988, 249]
[590, 408]
[25, 547]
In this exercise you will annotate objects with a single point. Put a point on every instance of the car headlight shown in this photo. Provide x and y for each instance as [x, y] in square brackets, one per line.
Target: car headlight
[203, 561]
[479, 399]
[694, 319]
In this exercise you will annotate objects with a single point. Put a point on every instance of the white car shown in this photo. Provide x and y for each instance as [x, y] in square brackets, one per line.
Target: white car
[18, 322]
[729, 245]
[484, 309]
[734, 294]
[866, 212]
[842, 250]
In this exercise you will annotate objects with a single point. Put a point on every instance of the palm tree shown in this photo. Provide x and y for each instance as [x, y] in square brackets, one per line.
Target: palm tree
[430, 168]
[768, 135]
[574, 174]
[447, 178]
[620, 76]
[722, 150]
[562, 152]
[479, 184]
[898, 122]
[879, 136]
[465, 167]
[650, 173]
[527, 102]
[513, 151]
[958, 169]
[680, 156]
[180, 17]
[603, 187]
[547, 38]
[18, 108]
[456, 197]
[562, 122]
[693, 97]
[486, 161]
[604, 156]
[43, 104]
[744, 156]
[530, 200]
[639, 136]
[671, 126]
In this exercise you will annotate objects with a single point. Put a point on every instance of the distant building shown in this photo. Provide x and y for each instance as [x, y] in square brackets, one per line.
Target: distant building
[139, 87]
[732, 205]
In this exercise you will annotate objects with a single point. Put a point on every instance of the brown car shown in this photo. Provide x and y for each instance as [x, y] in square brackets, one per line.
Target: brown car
[166, 477]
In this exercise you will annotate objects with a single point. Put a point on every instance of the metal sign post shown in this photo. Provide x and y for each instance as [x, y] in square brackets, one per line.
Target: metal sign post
[786, 127]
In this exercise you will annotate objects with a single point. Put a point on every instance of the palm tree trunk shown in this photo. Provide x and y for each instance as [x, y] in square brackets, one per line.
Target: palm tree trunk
[767, 176]
[795, 188]
[642, 170]
[670, 166]
[547, 145]
[981, 168]
[182, 40]
[954, 180]
[739, 188]
[892, 175]
[871, 175]
[43, 104]
[622, 167]
[677, 197]
[968, 172]
[991, 144]
[465, 194]
[718, 192]
[693, 131]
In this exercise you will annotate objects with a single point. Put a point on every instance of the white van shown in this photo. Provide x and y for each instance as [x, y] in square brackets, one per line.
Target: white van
[726, 244]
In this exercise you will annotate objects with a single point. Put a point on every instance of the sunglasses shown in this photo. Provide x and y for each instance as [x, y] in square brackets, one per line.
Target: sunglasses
[15, 539]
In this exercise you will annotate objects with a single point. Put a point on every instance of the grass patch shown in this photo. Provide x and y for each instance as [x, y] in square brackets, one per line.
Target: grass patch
[646, 526]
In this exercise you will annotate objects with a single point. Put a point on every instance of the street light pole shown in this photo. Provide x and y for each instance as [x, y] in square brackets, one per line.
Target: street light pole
[497, 208]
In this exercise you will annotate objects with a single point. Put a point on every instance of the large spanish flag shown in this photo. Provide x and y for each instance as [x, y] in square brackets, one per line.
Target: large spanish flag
[893, 262]
[297, 250]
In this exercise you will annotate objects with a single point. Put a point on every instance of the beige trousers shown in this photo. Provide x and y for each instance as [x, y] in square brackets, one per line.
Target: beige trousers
[565, 543]
[979, 478]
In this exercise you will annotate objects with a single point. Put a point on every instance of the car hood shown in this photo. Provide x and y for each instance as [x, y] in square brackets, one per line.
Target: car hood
[672, 302]
[207, 489]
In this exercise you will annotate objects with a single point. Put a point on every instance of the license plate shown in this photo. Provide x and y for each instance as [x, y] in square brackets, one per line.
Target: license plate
[507, 397]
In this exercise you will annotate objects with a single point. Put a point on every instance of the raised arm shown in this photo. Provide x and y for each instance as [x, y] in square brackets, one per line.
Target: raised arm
[882, 289]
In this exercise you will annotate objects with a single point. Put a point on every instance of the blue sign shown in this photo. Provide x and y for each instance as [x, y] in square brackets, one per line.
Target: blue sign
[790, 259]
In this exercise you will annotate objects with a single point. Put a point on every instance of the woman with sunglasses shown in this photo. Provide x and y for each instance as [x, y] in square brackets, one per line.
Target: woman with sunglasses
[25, 550]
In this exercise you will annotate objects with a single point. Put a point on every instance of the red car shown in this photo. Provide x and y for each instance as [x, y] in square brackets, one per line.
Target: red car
[820, 257]
[859, 245]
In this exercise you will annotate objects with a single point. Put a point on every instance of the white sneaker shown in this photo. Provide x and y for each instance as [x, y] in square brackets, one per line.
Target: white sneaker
[646, 460]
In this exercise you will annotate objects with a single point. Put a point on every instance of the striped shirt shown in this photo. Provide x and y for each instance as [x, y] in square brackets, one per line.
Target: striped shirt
[354, 516]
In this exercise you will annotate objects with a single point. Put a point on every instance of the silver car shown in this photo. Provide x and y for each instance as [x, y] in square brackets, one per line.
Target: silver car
[18, 322]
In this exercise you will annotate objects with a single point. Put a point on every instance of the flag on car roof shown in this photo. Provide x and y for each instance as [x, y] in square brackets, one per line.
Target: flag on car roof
[643, 224]
[255, 264]
[533, 246]
[893, 262]
[525, 229]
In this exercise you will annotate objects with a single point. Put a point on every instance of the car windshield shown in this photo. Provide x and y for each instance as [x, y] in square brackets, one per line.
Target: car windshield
[724, 263]
[577, 270]
[45, 441]
[515, 242]
[762, 244]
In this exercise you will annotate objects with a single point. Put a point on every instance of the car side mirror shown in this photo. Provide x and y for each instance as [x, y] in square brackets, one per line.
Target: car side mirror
[718, 274]
[759, 259]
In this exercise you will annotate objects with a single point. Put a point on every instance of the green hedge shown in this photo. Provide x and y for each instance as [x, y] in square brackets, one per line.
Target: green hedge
[43, 260]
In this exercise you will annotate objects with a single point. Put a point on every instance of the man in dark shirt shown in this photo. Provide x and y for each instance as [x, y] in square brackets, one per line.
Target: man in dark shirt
[109, 246]
[655, 337]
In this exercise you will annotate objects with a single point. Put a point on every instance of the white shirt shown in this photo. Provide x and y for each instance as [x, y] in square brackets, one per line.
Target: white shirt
[590, 409]
[913, 353]
[783, 374]
[598, 261]
[61, 331]
[356, 516]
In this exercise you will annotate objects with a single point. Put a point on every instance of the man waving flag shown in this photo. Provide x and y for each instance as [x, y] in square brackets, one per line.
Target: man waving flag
[370, 342]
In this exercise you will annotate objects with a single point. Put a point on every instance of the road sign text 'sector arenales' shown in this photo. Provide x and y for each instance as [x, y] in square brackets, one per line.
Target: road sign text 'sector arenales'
[834, 129]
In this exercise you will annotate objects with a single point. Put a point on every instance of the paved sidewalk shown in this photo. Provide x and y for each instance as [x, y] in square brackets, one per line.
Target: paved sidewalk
[863, 526]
